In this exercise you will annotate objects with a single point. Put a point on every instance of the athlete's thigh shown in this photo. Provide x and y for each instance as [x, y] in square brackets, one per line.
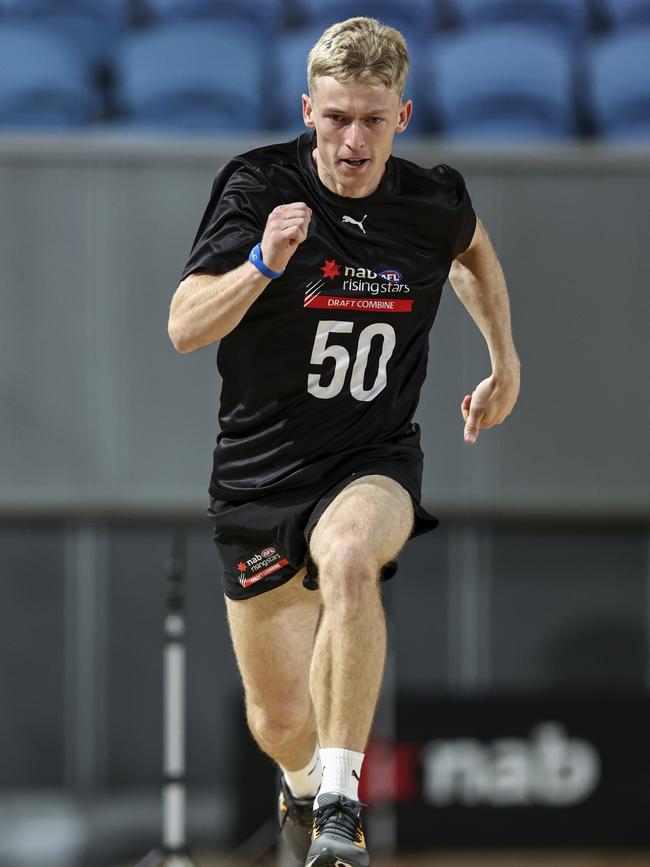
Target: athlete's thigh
[374, 511]
[273, 636]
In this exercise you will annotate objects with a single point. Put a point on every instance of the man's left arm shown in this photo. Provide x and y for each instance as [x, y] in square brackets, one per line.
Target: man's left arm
[478, 280]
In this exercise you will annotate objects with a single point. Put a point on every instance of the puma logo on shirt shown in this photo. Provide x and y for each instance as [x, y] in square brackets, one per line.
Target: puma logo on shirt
[358, 223]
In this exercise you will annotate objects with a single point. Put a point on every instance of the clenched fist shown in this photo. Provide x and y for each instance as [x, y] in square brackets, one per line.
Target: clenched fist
[286, 228]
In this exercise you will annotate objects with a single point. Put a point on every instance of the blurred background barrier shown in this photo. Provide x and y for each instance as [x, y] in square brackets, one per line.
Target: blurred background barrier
[520, 630]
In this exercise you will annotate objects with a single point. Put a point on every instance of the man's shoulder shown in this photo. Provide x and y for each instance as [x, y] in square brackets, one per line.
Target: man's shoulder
[266, 157]
[414, 175]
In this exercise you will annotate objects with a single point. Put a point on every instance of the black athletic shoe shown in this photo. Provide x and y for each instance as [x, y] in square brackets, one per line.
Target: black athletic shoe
[295, 816]
[337, 836]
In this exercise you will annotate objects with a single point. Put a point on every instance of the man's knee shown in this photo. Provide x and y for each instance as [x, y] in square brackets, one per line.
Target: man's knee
[348, 572]
[276, 724]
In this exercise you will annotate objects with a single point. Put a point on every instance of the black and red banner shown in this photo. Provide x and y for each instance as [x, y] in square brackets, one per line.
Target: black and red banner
[498, 773]
[516, 772]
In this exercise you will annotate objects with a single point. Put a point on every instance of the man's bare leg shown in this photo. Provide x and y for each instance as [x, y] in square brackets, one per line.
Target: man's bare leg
[273, 637]
[363, 528]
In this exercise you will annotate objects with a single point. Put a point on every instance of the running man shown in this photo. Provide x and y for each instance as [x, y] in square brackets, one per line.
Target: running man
[319, 265]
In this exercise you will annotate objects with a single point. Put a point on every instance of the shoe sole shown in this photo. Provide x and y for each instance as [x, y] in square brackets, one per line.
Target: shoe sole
[327, 859]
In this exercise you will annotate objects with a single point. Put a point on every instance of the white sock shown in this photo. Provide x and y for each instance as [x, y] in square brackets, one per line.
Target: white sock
[305, 783]
[341, 773]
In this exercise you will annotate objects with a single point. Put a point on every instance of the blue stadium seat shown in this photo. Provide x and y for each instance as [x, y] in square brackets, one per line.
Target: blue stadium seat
[625, 13]
[502, 83]
[290, 79]
[290, 82]
[265, 15]
[619, 89]
[111, 13]
[412, 16]
[191, 76]
[42, 82]
[567, 18]
[89, 25]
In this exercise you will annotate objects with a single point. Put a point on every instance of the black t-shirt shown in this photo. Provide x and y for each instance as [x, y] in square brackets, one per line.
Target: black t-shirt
[323, 374]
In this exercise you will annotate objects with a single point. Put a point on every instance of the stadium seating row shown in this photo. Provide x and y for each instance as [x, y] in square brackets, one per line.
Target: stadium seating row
[500, 82]
[418, 17]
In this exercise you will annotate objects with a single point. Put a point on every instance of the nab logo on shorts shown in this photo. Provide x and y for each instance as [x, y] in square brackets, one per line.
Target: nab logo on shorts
[259, 566]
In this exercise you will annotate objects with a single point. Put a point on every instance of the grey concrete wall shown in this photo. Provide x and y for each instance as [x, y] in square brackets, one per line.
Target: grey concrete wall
[100, 413]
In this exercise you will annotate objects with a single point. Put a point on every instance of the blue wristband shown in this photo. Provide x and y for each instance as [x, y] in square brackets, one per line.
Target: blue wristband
[255, 258]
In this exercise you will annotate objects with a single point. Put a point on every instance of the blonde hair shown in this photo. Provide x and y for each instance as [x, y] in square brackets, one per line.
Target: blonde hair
[361, 49]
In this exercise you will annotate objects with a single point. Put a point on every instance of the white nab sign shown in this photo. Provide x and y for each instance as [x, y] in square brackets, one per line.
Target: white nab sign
[549, 768]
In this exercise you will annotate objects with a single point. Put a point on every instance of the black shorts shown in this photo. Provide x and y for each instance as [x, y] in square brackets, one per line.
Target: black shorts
[263, 543]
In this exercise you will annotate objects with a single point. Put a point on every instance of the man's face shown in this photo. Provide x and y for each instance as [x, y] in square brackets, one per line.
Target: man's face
[355, 124]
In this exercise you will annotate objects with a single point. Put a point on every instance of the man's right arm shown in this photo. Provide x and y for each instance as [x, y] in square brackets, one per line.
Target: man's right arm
[206, 307]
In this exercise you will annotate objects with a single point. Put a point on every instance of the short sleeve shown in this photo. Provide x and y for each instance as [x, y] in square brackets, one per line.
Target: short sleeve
[463, 222]
[467, 222]
[233, 221]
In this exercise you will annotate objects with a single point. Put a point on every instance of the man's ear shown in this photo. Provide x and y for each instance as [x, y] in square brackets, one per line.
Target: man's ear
[404, 116]
[307, 111]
